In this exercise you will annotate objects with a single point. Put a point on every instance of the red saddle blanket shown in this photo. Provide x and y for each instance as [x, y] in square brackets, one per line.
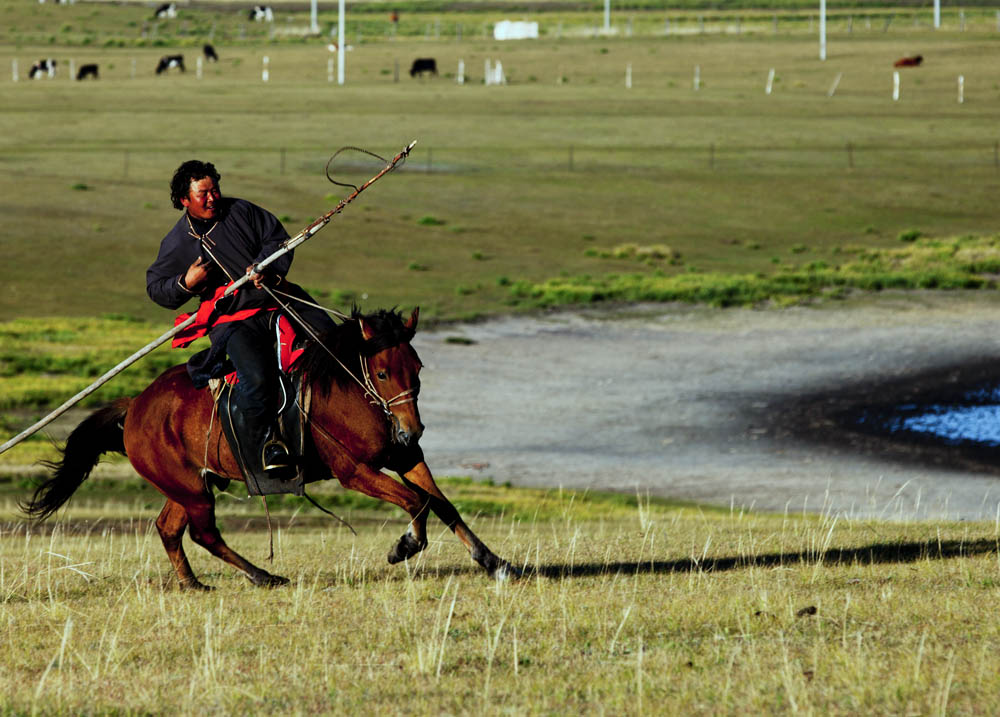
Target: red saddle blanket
[206, 318]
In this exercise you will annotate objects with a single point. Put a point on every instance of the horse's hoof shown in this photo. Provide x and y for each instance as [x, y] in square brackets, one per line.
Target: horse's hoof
[407, 547]
[195, 585]
[269, 581]
[505, 571]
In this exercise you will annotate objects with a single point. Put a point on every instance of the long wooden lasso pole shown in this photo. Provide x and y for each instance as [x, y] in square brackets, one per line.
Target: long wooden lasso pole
[288, 246]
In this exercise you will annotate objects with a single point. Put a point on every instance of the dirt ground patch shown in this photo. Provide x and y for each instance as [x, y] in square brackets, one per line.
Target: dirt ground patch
[736, 407]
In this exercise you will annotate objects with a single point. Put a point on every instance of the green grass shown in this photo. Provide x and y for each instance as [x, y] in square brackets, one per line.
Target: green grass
[521, 174]
[629, 606]
[962, 263]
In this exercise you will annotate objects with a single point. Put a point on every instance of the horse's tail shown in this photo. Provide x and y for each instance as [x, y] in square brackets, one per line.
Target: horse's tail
[101, 432]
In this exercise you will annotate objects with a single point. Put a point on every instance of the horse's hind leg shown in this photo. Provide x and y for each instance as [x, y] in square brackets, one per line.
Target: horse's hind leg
[206, 534]
[171, 523]
[420, 479]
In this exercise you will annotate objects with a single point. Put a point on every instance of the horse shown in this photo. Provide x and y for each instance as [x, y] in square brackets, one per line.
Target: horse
[171, 436]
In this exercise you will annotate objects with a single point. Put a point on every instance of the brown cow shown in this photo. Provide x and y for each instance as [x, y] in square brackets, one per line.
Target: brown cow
[909, 61]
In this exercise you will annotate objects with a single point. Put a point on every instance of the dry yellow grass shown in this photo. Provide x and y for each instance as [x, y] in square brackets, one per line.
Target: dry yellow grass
[649, 609]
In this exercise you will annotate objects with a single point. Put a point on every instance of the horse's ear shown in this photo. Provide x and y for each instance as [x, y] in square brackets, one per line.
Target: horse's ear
[366, 332]
[411, 323]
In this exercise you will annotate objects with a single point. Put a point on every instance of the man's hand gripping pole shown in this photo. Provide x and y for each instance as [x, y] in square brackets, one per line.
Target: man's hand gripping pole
[288, 246]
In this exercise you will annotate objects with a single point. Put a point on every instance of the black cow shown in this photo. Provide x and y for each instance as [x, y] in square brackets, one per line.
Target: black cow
[167, 9]
[422, 65]
[86, 71]
[210, 55]
[168, 61]
[261, 12]
[43, 68]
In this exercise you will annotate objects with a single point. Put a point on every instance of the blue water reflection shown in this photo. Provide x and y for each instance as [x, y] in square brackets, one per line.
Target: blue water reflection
[974, 418]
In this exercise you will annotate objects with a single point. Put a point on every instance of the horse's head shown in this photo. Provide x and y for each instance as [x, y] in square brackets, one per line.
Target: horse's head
[391, 370]
[370, 355]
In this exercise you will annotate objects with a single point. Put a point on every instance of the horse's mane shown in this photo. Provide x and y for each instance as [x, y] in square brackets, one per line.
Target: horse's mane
[346, 343]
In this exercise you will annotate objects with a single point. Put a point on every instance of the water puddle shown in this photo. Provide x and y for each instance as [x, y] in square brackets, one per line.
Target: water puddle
[973, 417]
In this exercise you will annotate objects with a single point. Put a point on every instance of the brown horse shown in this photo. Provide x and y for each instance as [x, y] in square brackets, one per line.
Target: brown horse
[362, 416]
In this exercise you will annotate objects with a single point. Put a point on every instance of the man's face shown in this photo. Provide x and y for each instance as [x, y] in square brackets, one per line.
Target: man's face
[202, 198]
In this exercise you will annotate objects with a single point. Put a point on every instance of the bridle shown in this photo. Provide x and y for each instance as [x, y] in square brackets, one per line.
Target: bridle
[368, 386]
[385, 404]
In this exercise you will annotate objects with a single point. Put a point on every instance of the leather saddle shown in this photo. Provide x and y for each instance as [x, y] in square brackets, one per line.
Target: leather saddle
[291, 421]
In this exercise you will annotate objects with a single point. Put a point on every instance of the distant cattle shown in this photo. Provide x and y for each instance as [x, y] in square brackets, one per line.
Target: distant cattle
[422, 65]
[169, 61]
[210, 55]
[260, 13]
[167, 9]
[43, 68]
[909, 61]
[86, 71]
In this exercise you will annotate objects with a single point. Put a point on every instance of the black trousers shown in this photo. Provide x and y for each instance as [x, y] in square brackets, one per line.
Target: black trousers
[251, 348]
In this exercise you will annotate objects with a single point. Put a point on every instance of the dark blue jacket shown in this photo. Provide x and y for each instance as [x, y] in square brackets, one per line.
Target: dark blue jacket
[244, 234]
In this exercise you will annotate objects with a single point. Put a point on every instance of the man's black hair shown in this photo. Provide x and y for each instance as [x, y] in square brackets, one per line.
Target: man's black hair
[192, 170]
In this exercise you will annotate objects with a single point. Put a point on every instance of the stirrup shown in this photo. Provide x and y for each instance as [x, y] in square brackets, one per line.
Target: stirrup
[279, 461]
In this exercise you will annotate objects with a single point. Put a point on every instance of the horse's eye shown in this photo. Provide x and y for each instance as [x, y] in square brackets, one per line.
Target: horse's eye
[381, 375]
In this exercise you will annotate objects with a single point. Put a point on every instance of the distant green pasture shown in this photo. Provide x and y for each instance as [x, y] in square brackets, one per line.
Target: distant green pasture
[507, 185]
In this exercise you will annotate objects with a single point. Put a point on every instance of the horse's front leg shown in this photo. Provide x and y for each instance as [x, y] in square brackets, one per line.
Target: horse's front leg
[379, 485]
[420, 479]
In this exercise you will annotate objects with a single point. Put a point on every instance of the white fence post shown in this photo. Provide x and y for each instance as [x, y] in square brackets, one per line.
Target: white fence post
[13, 69]
[72, 69]
[961, 89]
[822, 30]
[461, 72]
[833, 87]
[198, 67]
[329, 70]
[628, 76]
[895, 86]
[770, 81]
[697, 77]
[264, 73]
[486, 72]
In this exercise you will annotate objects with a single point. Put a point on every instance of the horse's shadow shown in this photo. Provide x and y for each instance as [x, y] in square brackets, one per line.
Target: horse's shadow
[878, 553]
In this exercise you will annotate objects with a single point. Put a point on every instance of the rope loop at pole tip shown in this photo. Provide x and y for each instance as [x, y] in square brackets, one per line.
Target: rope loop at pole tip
[391, 164]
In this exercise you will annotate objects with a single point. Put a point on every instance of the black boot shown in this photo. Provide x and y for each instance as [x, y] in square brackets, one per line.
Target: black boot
[267, 466]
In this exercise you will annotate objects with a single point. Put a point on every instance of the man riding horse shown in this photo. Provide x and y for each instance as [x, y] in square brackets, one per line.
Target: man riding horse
[215, 241]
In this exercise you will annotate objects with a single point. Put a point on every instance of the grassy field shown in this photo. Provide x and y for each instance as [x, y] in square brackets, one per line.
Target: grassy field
[531, 182]
[628, 606]
[562, 186]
